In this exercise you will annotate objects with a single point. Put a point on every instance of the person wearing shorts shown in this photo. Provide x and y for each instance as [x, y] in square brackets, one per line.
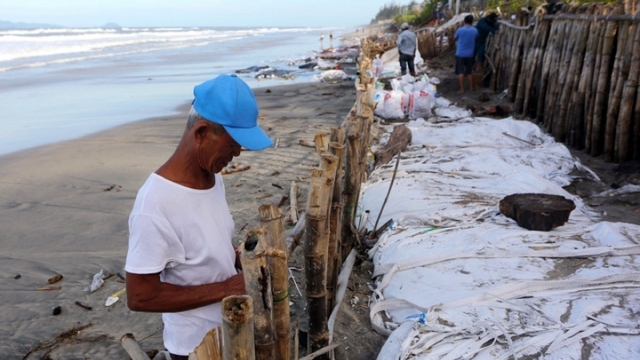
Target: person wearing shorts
[465, 52]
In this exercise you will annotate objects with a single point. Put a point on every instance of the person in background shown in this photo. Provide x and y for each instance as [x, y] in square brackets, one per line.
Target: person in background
[407, 49]
[465, 46]
[485, 26]
[180, 260]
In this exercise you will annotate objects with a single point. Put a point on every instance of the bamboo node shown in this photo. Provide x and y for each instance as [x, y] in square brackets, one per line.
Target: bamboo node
[282, 298]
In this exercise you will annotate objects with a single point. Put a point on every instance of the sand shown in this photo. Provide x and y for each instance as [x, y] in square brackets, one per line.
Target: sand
[65, 207]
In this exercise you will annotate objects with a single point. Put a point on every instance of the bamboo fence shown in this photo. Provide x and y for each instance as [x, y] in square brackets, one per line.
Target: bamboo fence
[576, 74]
[329, 235]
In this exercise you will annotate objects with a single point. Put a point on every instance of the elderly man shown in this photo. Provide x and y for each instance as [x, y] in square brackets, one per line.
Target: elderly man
[181, 261]
[407, 49]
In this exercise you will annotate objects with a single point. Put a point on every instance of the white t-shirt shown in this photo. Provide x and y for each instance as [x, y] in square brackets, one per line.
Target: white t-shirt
[185, 235]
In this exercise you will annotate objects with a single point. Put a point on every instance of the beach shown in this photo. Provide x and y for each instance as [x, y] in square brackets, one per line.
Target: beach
[65, 209]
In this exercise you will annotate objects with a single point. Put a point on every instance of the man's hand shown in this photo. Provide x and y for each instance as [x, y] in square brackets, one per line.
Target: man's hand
[235, 285]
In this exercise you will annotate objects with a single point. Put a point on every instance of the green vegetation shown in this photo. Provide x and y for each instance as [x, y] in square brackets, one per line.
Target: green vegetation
[405, 13]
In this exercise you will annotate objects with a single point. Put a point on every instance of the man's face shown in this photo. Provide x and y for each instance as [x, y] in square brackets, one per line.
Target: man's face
[217, 150]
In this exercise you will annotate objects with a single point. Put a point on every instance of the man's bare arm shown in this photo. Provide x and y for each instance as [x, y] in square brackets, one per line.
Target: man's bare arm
[145, 292]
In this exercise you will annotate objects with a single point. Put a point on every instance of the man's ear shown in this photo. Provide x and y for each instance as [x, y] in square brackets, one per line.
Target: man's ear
[200, 130]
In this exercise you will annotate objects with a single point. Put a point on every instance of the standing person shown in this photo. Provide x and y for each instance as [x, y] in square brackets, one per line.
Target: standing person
[321, 41]
[330, 39]
[180, 260]
[485, 26]
[407, 49]
[465, 45]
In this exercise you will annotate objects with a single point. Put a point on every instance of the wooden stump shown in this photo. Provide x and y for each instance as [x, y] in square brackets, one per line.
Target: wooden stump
[540, 212]
[398, 142]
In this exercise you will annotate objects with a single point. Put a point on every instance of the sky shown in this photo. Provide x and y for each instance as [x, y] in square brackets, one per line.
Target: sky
[154, 13]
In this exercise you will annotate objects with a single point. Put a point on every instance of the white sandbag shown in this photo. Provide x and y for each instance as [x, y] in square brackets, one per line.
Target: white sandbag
[379, 100]
[333, 75]
[394, 105]
[423, 102]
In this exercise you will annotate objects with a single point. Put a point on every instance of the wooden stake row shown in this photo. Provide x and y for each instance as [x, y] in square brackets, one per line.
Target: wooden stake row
[578, 78]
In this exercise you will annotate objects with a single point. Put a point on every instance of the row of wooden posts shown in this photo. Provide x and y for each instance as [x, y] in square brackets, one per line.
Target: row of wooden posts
[257, 325]
[576, 74]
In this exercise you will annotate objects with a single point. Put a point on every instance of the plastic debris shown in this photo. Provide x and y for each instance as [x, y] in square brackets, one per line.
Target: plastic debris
[114, 298]
[96, 283]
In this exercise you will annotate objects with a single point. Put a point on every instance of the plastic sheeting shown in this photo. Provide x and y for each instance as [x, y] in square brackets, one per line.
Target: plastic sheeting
[455, 279]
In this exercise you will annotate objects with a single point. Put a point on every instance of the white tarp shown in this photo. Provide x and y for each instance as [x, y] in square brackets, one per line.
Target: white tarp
[455, 279]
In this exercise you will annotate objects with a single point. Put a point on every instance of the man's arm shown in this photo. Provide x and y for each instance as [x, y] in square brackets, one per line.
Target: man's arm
[145, 292]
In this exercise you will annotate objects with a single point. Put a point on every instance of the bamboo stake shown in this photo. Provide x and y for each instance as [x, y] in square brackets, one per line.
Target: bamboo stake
[315, 253]
[623, 135]
[619, 78]
[210, 348]
[575, 63]
[546, 68]
[602, 89]
[237, 324]
[258, 284]
[131, 346]
[333, 253]
[271, 218]
[580, 102]
[593, 87]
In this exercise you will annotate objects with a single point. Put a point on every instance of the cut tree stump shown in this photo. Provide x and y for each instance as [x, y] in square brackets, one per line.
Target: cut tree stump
[398, 142]
[541, 212]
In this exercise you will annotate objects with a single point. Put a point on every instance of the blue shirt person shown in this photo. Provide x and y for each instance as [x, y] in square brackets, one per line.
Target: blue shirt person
[465, 50]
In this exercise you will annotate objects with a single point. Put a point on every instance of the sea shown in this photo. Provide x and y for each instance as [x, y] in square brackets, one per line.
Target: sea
[60, 84]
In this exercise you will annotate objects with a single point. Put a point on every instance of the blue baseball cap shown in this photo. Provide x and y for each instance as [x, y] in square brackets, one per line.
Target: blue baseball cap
[228, 101]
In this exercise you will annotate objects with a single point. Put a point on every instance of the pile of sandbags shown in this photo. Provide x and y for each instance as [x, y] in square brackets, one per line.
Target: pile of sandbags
[408, 97]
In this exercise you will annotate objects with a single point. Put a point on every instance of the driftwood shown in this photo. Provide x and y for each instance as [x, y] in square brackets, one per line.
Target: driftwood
[237, 324]
[307, 143]
[271, 218]
[258, 284]
[541, 212]
[293, 202]
[318, 353]
[398, 142]
[210, 348]
[235, 170]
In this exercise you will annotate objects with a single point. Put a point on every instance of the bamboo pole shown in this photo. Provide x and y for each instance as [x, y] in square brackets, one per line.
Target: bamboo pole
[602, 89]
[593, 87]
[546, 69]
[333, 253]
[581, 96]
[575, 63]
[237, 325]
[619, 78]
[623, 131]
[271, 218]
[131, 346]
[258, 284]
[558, 75]
[315, 253]
[210, 348]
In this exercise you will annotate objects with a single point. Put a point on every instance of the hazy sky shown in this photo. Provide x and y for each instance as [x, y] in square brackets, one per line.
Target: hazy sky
[87, 13]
